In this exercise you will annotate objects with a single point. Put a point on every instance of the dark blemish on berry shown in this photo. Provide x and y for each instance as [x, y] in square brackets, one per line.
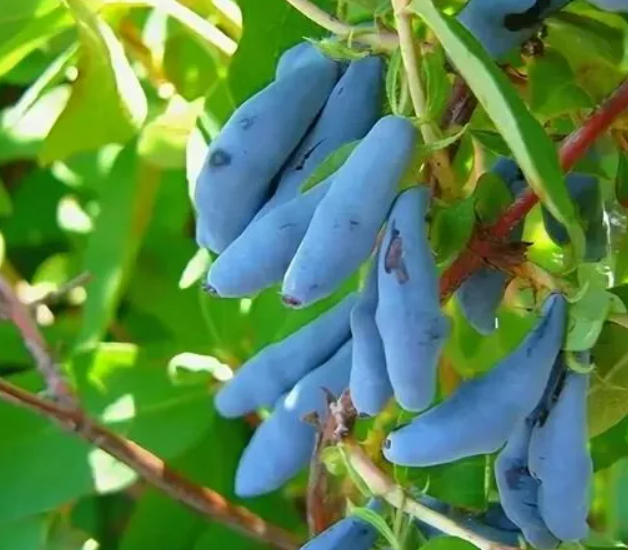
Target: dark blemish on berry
[219, 158]
[247, 122]
[354, 223]
[387, 444]
[307, 155]
[393, 257]
[286, 226]
[290, 301]
[532, 16]
[515, 475]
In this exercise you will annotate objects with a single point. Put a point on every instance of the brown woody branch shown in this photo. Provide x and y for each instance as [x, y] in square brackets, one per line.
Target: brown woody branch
[573, 148]
[147, 465]
[19, 314]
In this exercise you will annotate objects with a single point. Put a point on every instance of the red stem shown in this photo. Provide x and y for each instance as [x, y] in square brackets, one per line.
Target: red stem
[572, 149]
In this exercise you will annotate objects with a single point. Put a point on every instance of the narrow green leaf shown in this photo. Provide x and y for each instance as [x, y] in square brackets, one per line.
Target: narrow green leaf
[125, 209]
[491, 141]
[437, 84]
[425, 150]
[379, 524]
[448, 543]
[396, 89]
[107, 104]
[532, 148]
[331, 164]
[334, 48]
[6, 206]
[34, 34]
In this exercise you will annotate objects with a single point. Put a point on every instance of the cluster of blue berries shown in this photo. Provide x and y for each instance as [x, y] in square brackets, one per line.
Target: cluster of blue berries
[257, 211]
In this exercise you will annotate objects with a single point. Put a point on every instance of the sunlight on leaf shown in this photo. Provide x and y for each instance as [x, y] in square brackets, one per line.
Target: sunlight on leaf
[107, 104]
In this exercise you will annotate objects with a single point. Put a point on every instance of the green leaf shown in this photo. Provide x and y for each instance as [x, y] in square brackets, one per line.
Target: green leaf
[396, 88]
[491, 141]
[163, 141]
[118, 385]
[28, 533]
[379, 524]
[22, 132]
[451, 227]
[553, 90]
[437, 84]
[586, 319]
[160, 522]
[6, 206]
[34, 29]
[331, 164]
[125, 210]
[334, 48]
[448, 543]
[593, 43]
[270, 28]
[621, 188]
[610, 446]
[608, 394]
[492, 197]
[107, 104]
[462, 483]
[526, 138]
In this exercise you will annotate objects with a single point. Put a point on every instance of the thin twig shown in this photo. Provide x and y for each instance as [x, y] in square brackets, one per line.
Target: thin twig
[440, 159]
[19, 314]
[382, 486]
[323, 509]
[386, 41]
[65, 411]
[572, 149]
[154, 470]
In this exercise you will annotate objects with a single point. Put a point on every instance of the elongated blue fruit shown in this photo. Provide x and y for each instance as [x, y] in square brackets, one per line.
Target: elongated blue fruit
[560, 461]
[585, 192]
[283, 444]
[253, 146]
[294, 58]
[480, 415]
[519, 491]
[273, 371]
[408, 316]
[370, 384]
[350, 533]
[502, 25]
[496, 517]
[480, 295]
[346, 223]
[260, 256]
[350, 112]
